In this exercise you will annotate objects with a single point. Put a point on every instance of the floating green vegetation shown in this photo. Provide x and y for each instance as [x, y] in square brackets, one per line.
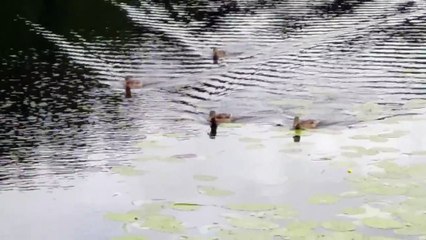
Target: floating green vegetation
[323, 199]
[372, 138]
[284, 212]
[382, 223]
[242, 234]
[127, 171]
[186, 206]
[130, 237]
[252, 223]
[251, 207]
[339, 226]
[377, 186]
[357, 151]
[342, 236]
[213, 191]
[411, 230]
[354, 211]
[123, 217]
[163, 223]
[381, 238]
[351, 194]
[394, 134]
[205, 178]
[297, 230]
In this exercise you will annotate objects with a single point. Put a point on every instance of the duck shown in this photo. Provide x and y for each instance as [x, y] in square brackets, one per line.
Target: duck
[213, 127]
[304, 124]
[130, 83]
[217, 54]
[220, 117]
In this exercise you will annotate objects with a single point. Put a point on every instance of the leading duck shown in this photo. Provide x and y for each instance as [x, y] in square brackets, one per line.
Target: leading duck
[130, 83]
[217, 54]
[304, 124]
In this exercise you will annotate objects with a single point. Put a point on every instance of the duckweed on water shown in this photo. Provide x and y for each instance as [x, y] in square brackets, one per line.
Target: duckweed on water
[252, 223]
[251, 207]
[123, 217]
[381, 223]
[339, 226]
[205, 178]
[284, 212]
[186, 206]
[130, 238]
[297, 230]
[163, 223]
[213, 191]
[243, 235]
[354, 211]
[324, 199]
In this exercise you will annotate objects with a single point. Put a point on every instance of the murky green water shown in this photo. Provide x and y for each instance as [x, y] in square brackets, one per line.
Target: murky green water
[80, 161]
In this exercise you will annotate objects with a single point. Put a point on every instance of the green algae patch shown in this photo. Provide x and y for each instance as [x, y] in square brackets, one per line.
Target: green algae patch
[342, 236]
[127, 171]
[251, 207]
[252, 223]
[381, 238]
[296, 230]
[213, 191]
[411, 230]
[284, 212]
[243, 235]
[382, 223]
[380, 187]
[185, 206]
[354, 211]
[339, 226]
[163, 223]
[123, 217]
[324, 199]
[351, 194]
[130, 237]
[205, 178]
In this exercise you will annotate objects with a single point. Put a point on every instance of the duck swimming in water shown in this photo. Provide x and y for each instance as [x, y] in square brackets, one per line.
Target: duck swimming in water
[130, 83]
[220, 117]
[217, 54]
[304, 124]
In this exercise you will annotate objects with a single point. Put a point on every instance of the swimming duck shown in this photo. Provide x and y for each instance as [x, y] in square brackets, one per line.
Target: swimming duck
[213, 127]
[131, 83]
[304, 124]
[217, 54]
[220, 117]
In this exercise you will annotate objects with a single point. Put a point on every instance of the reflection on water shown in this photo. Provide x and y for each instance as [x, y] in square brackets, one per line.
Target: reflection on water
[63, 109]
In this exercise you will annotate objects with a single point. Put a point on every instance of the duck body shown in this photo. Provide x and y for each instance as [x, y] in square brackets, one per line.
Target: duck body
[220, 117]
[304, 124]
[217, 54]
[130, 83]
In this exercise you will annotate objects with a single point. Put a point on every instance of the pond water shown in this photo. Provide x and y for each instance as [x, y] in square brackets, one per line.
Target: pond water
[76, 155]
